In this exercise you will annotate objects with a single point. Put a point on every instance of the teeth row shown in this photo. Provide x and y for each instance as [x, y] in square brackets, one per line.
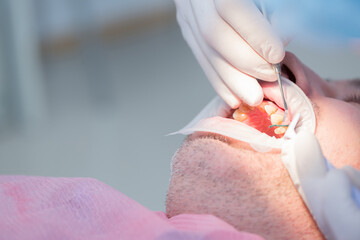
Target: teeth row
[275, 117]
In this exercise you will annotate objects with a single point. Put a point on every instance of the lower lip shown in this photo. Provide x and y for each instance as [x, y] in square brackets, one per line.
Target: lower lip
[260, 118]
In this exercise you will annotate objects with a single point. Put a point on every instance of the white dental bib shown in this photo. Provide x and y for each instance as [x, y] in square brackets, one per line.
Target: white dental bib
[213, 118]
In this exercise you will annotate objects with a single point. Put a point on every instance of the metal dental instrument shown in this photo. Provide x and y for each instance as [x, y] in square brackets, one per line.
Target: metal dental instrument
[277, 67]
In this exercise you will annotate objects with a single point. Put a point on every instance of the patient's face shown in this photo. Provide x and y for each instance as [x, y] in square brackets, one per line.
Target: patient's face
[212, 174]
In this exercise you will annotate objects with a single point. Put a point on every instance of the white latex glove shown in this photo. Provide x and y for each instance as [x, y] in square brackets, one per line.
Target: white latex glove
[328, 194]
[234, 44]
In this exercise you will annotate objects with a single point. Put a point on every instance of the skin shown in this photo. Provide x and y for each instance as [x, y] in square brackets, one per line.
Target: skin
[212, 174]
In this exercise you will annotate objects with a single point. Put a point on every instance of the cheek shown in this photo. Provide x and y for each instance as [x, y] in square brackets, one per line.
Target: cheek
[338, 131]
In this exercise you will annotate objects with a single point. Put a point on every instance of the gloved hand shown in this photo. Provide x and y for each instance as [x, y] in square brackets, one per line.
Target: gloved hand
[234, 44]
[328, 194]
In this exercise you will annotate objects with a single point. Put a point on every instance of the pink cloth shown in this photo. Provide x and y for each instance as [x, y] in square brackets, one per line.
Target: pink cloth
[82, 208]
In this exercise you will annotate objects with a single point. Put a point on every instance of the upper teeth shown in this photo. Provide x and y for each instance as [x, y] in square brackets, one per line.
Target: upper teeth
[297, 101]
[238, 115]
[270, 109]
[276, 119]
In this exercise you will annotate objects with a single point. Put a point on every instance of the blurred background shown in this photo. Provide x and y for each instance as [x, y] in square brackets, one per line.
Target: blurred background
[91, 88]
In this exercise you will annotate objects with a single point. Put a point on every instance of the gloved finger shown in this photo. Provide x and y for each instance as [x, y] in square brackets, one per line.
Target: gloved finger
[245, 87]
[339, 209]
[241, 85]
[228, 44]
[220, 88]
[353, 174]
[251, 24]
[309, 158]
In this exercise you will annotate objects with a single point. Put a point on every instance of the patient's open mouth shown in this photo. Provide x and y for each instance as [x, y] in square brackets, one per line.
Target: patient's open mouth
[268, 116]
[262, 118]
[252, 124]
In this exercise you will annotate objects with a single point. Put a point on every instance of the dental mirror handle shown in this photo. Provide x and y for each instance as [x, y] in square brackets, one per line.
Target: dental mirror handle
[277, 67]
